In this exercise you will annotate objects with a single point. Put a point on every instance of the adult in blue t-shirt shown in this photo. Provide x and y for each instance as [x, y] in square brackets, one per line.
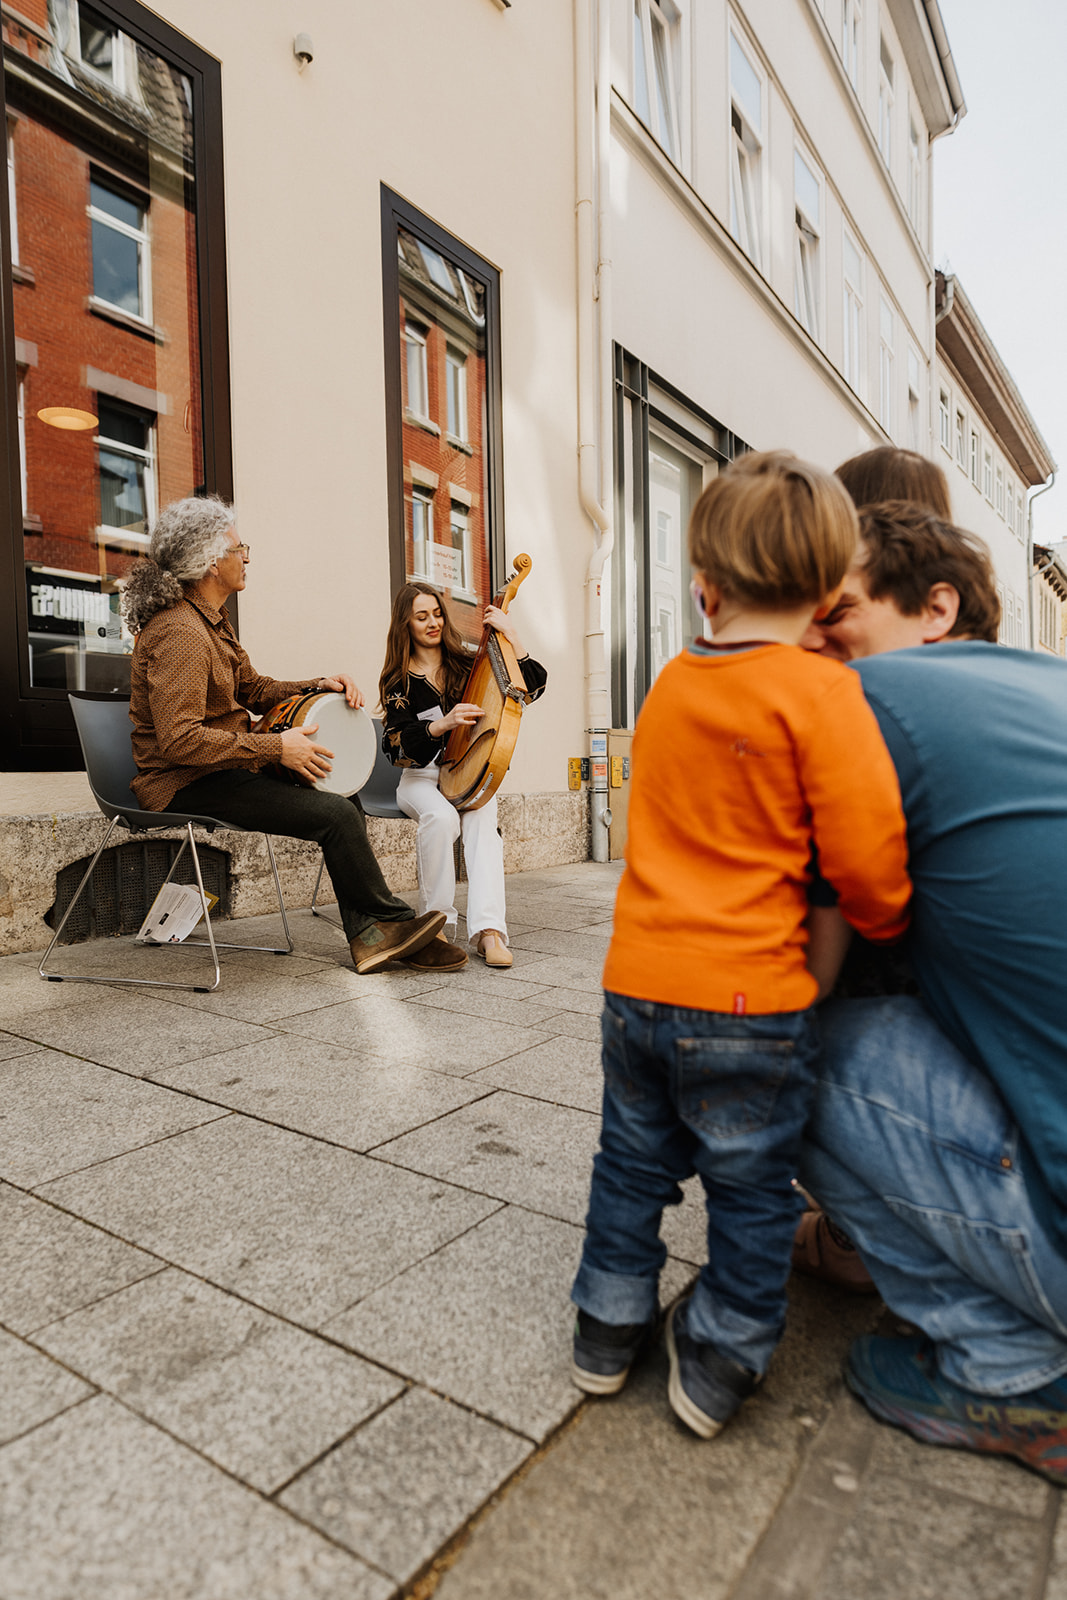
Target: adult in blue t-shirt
[939, 1140]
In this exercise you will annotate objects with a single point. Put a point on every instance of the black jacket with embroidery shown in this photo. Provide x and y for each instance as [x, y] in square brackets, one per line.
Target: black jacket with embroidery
[407, 707]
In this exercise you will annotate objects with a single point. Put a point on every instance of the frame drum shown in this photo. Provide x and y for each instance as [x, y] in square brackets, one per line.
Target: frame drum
[345, 730]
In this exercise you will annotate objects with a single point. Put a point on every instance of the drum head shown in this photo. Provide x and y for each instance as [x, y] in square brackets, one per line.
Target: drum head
[350, 735]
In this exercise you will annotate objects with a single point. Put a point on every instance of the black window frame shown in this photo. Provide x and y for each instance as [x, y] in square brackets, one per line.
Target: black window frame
[36, 725]
[397, 212]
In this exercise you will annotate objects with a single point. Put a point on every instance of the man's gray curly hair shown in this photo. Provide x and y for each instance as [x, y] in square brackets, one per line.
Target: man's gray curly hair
[188, 536]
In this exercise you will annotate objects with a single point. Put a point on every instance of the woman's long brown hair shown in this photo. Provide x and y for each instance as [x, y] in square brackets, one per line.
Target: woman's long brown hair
[455, 659]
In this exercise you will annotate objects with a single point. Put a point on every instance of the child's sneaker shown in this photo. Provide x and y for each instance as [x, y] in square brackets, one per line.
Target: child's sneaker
[604, 1352]
[705, 1388]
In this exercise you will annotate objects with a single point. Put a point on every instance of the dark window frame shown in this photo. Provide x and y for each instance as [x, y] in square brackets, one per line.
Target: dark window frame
[637, 382]
[36, 725]
[398, 212]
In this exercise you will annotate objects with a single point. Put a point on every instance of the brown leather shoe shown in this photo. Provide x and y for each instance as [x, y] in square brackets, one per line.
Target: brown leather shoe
[383, 942]
[492, 949]
[437, 956]
[818, 1254]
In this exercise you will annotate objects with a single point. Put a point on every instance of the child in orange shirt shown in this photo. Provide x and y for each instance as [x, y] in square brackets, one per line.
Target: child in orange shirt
[750, 754]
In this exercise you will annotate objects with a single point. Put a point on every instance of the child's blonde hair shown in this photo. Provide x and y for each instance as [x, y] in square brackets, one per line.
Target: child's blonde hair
[774, 531]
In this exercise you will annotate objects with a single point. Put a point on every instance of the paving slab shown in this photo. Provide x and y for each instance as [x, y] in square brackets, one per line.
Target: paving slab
[399, 1488]
[570, 972]
[486, 1321]
[60, 1114]
[293, 1225]
[32, 1387]
[99, 1505]
[51, 1263]
[249, 1391]
[580, 942]
[484, 1001]
[11, 1046]
[265, 997]
[396, 1031]
[510, 1147]
[988, 1480]
[339, 1095]
[1056, 1585]
[561, 1070]
[574, 1025]
[137, 1034]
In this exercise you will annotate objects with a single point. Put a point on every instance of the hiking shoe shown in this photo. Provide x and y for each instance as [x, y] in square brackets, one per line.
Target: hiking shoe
[898, 1379]
[604, 1352]
[705, 1388]
[383, 942]
[437, 956]
[821, 1250]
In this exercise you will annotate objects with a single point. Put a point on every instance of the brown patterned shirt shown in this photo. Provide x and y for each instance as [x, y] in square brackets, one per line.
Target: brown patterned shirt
[191, 693]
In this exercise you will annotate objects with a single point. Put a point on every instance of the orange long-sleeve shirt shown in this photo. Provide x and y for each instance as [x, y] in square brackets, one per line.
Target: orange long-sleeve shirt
[741, 761]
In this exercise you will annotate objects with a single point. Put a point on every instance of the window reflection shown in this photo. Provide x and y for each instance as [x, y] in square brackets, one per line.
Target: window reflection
[102, 197]
[443, 375]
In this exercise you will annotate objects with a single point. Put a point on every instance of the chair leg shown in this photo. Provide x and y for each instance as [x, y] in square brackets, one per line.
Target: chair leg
[266, 949]
[315, 912]
[54, 977]
[281, 898]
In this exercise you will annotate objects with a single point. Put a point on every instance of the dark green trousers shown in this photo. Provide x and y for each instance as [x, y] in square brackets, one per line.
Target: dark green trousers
[260, 803]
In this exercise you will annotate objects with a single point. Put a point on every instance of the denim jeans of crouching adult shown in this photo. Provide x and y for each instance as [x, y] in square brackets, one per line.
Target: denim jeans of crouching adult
[913, 1152]
[685, 1092]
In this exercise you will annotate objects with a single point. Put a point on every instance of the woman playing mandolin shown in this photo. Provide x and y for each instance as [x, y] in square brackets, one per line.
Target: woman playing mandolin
[421, 688]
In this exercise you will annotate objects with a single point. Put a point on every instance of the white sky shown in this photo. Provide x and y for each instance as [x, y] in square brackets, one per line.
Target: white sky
[1000, 204]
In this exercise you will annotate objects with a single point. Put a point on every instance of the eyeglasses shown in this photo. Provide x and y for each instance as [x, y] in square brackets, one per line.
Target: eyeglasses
[242, 550]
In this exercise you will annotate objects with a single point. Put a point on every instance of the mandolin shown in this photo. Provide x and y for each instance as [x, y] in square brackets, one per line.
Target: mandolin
[476, 757]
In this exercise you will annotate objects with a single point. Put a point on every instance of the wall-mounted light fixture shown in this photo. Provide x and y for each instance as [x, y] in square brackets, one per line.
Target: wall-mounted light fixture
[304, 49]
[68, 418]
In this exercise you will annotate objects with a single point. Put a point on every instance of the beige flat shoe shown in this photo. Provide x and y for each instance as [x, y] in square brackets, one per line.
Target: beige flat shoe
[492, 949]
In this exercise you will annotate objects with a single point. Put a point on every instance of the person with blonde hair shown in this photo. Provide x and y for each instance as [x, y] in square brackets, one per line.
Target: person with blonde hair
[749, 756]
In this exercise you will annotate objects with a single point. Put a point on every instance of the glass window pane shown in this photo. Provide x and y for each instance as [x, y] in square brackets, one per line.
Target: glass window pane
[663, 88]
[92, 492]
[807, 188]
[746, 86]
[641, 101]
[437, 267]
[131, 212]
[116, 268]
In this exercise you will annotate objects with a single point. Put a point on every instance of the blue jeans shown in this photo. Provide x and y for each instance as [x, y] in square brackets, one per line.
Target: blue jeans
[727, 1097]
[912, 1151]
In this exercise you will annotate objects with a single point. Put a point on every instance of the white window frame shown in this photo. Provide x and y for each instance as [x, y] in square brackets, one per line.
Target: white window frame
[1009, 508]
[807, 251]
[854, 341]
[144, 250]
[852, 40]
[961, 440]
[1020, 513]
[12, 204]
[655, 34]
[1000, 490]
[421, 496]
[459, 516]
[944, 418]
[746, 145]
[886, 355]
[22, 439]
[976, 459]
[456, 394]
[415, 338]
[109, 535]
[124, 77]
[886, 100]
[987, 475]
[915, 170]
[914, 399]
[1002, 626]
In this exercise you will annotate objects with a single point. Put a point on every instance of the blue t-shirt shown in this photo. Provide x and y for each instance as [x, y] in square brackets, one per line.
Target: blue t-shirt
[978, 735]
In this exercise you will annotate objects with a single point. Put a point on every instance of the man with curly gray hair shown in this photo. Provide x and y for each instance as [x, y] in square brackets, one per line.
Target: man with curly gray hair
[193, 689]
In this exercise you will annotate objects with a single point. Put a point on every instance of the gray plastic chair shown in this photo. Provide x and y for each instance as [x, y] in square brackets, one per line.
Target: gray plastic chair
[103, 724]
[378, 799]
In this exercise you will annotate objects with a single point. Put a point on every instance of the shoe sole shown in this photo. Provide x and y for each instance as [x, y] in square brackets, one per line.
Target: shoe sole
[396, 952]
[946, 1433]
[598, 1382]
[685, 1409]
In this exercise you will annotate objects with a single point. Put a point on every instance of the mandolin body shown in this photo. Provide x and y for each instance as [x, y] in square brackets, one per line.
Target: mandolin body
[476, 758]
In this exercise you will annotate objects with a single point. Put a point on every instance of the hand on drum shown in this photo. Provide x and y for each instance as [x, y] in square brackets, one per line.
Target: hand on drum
[463, 715]
[341, 683]
[311, 761]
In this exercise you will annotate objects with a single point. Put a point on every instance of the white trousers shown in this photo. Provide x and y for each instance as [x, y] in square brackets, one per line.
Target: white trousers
[483, 851]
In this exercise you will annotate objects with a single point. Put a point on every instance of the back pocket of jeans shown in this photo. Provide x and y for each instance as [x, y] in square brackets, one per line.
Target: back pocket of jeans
[729, 1086]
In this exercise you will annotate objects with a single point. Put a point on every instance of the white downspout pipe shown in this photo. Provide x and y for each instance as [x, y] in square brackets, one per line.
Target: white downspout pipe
[595, 375]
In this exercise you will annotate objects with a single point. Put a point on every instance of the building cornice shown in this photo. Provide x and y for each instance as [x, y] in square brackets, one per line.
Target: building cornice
[923, 39]
[964, 342]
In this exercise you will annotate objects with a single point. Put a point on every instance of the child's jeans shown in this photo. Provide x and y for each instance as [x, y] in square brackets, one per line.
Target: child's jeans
[699, 1091]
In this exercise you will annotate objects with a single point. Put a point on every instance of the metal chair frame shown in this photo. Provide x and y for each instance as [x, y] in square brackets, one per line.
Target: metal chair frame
[106, 765]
